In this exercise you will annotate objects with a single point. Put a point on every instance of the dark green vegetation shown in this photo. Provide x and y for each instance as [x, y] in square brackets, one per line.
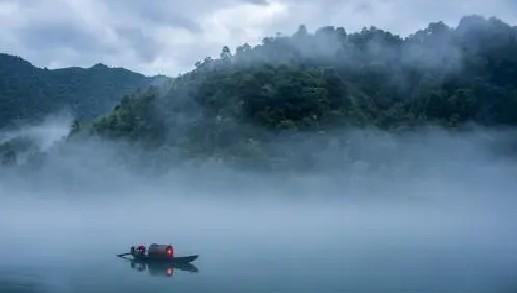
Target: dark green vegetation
[28, 93]
[11, 150]
[318, 82]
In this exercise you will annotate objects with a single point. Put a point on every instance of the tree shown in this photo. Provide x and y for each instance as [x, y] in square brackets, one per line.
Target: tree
[242, 50]
[226, 54]
[301, 32]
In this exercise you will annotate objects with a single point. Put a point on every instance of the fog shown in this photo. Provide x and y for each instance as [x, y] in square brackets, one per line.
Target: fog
[435, 205]
[44, 134]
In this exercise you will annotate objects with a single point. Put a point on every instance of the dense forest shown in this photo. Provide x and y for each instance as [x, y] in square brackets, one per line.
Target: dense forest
[28, 93]
[318, 82]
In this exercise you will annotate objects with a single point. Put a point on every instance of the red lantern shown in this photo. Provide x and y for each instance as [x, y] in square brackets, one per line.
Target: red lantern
[170, 251]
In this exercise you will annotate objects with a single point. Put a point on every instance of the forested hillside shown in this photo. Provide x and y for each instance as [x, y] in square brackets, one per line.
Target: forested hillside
[317, 82]
[28, 93]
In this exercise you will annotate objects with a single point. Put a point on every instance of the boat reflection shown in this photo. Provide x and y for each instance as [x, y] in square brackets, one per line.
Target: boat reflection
[160, 269]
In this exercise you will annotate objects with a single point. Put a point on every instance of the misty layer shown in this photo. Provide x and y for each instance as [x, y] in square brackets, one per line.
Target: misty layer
[359, 164]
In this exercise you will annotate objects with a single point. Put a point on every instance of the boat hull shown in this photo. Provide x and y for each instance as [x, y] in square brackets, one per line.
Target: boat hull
[172, 260]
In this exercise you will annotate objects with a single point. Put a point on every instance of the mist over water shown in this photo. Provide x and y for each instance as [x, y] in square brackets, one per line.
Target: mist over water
[415, 211]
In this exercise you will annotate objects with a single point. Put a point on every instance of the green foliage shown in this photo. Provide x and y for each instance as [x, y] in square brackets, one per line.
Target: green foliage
[133, 118]
[234, 105]
[28, 93]
[13, 149]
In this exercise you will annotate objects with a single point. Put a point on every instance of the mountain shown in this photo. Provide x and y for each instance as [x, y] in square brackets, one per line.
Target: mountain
[237, 104]
[28, 93]
[330, 79]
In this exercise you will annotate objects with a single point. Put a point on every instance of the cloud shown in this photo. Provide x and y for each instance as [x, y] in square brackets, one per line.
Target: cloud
[168, 36]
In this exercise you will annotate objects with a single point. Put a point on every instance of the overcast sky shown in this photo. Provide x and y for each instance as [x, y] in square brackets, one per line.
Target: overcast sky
[168, 36]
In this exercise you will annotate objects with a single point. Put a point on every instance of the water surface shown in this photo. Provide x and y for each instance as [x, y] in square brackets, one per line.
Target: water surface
[69, 245]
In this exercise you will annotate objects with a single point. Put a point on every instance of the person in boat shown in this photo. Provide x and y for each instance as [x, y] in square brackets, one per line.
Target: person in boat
[138, 251]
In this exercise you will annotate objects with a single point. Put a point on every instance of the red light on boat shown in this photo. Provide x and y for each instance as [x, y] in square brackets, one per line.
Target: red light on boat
[169, 251]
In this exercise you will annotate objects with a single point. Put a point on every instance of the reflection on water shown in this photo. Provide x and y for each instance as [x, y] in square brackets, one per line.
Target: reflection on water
[160, 269]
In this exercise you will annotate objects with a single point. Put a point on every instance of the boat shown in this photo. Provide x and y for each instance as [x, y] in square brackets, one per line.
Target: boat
[172, 260]
[156, 254]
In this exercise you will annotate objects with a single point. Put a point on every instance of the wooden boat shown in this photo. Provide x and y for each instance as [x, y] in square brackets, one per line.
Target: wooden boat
[176, 259]
[157, 254]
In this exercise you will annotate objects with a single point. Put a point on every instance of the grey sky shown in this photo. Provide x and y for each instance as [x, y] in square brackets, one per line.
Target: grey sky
[168, 36]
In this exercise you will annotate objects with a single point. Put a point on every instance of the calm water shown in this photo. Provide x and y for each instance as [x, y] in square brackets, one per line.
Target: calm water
[255, 246]
[431, 212]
